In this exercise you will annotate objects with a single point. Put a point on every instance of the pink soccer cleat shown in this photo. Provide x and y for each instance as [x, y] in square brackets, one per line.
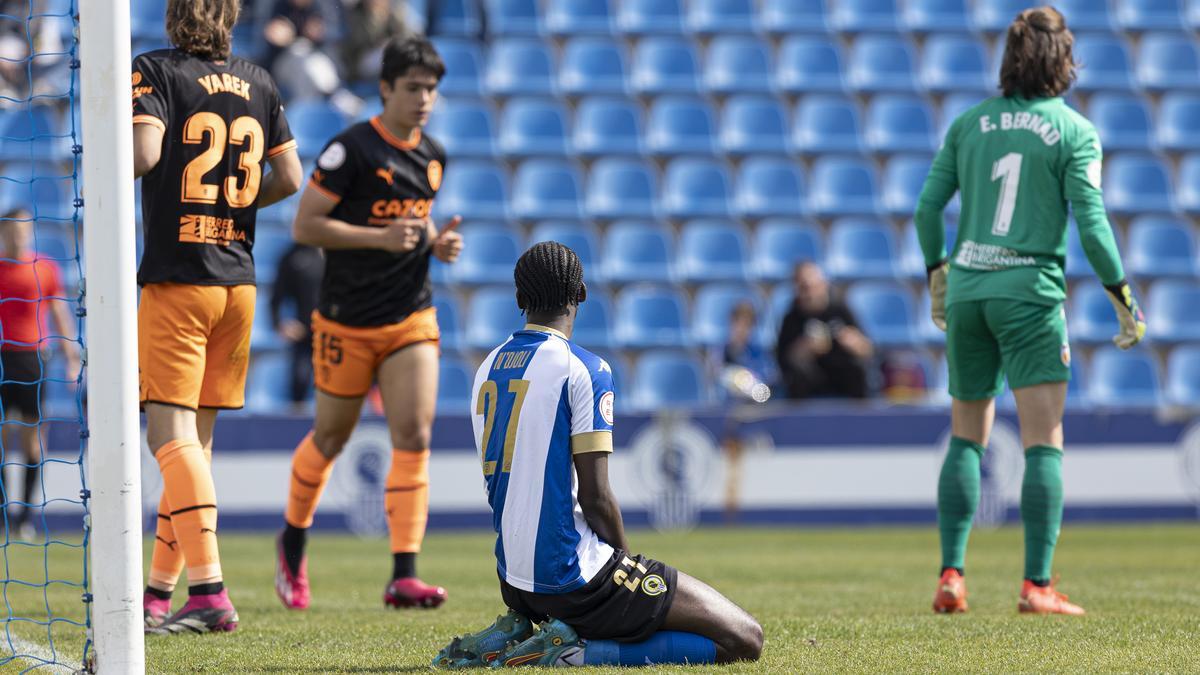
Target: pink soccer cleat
[292, 589]
[155, 610]
[412, 592]
[201, 614]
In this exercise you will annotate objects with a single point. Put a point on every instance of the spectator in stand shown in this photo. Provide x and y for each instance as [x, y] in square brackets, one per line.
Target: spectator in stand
[821, 351]
[744, 373]
[298, 285]
[29, 292]
[297, 34]
[369, 25]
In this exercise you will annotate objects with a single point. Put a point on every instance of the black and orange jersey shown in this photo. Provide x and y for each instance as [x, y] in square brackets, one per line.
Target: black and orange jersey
[376, 178]
[221, 122]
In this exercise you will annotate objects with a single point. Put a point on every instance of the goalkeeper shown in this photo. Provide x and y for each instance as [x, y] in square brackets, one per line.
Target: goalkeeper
[1018, 159]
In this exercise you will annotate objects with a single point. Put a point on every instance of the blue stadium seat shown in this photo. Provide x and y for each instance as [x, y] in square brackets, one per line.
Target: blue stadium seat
[1122, 120]
[492, 316]
[824, 124]
[638, 250]
[474, 189]
[842, 186]
[578, 17]
[783, 17]
[953, 105]
[885, 312]
[769, 187]
[753, 125]
[955, 63]
[579, 237]
[712, 307]
[1188, 195]
[933, 16]
[268, 383]
[533, 126]
[927, 332]
[1145, 15]
[903, 178]
[455, 379]
[145, 18]
[858, 16]
[607, 126]
[463, 67]
[262, 333]
[994, 16]
[1178, 124]
[781, 243]
[664, 65]
[862, 248]
[1106, 63]
[465, 127]
[36, 133]
[41, 189]
[899, 123]
[1161, 247]
[594, 320]
[313, 123]
[622, 188]
[1078, 266]
[1123, 379]
[680, 125]
[809, 64]
[695, 188]
[51, 244]
[1085, 15]
[650, 17]
[1090, 316]
[1168, 62]
[1183, 376]
[649, 316]
[592, 66]
[737, 65]
[1191, 14]
[712, 250]
[912, 259]
[547, 188]
[881, 63]
[520, 67]
[514, 18]
[1173, 311]
[711, 17]
[458, 17]
[269, 246]
[668, 379]
[490, 251]
[1136, 183]
[449, 317]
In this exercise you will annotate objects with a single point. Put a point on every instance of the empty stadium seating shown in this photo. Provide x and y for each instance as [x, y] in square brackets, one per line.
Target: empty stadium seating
[622, 188]
[578, 17]
[1178, 124]
[783, 243]
[862, 248]
[650, 316]
[931, 16]
[489, 253]
[638, 251]
[1161, 247]
[884, 311]
[712, 250]
[753, 125]
[607, 126]
[1183, 377]
[769, 187]
[592, 66]
[546, 188]
[668, 378]
[1174, 311]
[712, 308]
[465, 127]
[1123, 379]
[533, 126]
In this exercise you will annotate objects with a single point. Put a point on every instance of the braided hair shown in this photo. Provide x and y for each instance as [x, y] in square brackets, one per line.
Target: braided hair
[549, 278]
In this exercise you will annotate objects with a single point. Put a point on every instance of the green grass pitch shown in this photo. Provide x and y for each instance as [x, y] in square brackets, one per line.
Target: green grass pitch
[829, 601]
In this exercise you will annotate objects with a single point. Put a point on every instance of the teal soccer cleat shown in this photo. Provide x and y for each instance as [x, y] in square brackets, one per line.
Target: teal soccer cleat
[555, 644]
[477, 650]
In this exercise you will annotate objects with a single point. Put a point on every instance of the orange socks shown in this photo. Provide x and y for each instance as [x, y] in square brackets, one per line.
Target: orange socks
[188, 487]
[310, 473]
[407, 499]
[167, 562]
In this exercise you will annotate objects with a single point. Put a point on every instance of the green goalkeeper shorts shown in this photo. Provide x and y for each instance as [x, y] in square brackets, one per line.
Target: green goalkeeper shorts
[987, 339]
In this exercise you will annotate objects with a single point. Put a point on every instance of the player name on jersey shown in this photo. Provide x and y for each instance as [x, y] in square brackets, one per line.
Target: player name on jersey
[224, 83]
[1022, 121]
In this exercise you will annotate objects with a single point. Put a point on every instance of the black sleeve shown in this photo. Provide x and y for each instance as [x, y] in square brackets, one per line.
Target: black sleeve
[279, 136]
[337, 168]
[151, 93]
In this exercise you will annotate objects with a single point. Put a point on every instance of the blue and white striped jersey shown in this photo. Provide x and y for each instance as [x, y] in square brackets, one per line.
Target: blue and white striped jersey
[538, 399]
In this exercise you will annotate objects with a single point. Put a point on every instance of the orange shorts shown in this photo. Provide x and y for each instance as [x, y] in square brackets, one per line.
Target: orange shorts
[194, 344]
[345, 358]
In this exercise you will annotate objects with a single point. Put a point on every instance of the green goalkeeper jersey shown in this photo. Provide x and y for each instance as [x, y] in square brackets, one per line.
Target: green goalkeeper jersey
[1018, 163]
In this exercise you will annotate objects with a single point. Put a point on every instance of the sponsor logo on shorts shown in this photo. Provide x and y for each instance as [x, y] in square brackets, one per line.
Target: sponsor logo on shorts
[1065, 354]
[654, 585]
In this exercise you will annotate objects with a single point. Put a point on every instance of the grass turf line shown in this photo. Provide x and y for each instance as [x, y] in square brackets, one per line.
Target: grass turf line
[829, 601]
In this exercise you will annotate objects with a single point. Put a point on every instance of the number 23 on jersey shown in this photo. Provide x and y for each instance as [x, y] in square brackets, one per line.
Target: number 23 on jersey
[244, 132]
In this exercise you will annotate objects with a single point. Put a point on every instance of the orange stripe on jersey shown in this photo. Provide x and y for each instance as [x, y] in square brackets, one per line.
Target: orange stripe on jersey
[281, 148]
[324, 191]
[151, 120]
[413, 140]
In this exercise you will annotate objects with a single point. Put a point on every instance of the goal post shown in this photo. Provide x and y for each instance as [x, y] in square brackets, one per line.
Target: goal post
[110, 292]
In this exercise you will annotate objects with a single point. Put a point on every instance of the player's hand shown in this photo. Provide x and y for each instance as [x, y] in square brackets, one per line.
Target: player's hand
[937, 294]
[448, 243]
[1129, 314]
[292, 330]
[403, 234]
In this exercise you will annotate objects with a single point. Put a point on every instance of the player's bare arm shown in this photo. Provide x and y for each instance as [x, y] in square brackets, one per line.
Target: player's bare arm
[314, 227]
[147, 148]
[597, 500]
[284, 180]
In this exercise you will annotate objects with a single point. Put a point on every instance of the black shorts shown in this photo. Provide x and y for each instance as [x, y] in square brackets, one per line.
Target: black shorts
[627, 600]
[20, 389]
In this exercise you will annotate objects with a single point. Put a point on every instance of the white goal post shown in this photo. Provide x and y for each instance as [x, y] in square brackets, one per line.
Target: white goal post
[110, 296]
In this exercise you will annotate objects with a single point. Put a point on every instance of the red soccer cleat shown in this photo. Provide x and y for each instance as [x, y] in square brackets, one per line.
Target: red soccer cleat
[951, 596]
[292, 589]
[1045, 600]
[412, 592]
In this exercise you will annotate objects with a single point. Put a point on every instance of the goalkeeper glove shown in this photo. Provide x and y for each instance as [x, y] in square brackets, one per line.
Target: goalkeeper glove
[937, 293]
[1129, 314]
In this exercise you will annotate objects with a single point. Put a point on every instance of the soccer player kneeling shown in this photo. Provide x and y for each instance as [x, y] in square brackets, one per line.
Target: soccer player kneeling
[543, 419]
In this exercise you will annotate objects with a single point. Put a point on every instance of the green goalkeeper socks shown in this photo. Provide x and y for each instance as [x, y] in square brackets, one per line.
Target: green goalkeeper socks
[958, 496]
[1041, 509]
